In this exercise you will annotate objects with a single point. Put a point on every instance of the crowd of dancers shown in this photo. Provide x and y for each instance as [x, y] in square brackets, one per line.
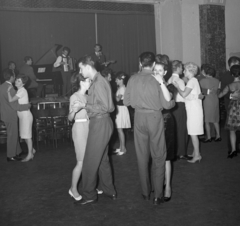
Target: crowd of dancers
[167, 108]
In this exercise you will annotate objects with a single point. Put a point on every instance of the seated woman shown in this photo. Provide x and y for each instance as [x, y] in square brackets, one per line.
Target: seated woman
[25, 117]
[193, 108]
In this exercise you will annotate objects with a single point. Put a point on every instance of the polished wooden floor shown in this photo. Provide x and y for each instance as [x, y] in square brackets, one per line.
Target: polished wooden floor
[204, 194]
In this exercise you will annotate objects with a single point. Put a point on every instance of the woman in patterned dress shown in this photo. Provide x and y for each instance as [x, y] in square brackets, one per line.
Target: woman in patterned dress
[233, 114]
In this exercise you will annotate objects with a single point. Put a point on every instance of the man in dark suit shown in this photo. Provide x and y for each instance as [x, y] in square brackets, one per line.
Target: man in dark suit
[145, 95]
[99, 58]
[8, 114]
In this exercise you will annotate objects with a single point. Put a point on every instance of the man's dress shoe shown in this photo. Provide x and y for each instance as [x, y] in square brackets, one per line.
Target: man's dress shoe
[158, 201]
[15, 158]
[146, 197]
[85, 202]
[113, 197]
[184, 157]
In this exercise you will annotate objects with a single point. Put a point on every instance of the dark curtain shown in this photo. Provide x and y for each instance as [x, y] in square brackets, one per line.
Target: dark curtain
[124, 37]
[33, 33]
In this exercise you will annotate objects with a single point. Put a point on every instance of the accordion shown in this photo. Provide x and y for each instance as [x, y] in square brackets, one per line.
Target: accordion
[71, 64]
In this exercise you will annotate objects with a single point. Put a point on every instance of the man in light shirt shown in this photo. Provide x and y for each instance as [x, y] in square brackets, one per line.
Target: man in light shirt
[179, 111]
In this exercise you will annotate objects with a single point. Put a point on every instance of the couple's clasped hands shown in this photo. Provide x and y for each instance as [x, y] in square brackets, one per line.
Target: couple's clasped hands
[77, 106]
[159, 78]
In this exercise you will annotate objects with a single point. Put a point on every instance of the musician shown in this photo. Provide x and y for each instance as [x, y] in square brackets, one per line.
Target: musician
[99, 58]
[63, 63]
[12, 68]
[34, 88]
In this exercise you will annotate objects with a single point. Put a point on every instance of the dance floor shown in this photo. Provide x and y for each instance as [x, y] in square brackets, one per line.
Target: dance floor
[36, 193]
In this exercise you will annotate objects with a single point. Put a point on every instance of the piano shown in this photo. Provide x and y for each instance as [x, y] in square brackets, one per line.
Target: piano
[45, 73]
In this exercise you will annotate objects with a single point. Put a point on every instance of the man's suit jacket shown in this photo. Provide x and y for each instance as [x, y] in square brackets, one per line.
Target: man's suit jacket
[98, 60]
[8, 111]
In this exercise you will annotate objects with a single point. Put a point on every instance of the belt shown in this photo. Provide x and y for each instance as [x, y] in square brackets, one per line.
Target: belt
[81, 120]
[100, 116]
[145, 110]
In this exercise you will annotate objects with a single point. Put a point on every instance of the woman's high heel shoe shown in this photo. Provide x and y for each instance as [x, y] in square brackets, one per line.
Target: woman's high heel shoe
[207, 140]
[76, 198]
[195, 159]
[218, 139]
[28, 158]
[232, 154]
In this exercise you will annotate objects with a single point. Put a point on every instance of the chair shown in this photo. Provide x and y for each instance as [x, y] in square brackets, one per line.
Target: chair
[3, 133]
[42, 126]
[59, 123]
[60, 128]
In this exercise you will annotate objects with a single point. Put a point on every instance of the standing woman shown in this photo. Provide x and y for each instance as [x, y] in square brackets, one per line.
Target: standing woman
[122, 118]
[79, 129]
[159, 71]
[233, 113]
[193, 108]
[211, 103]
[25, 117]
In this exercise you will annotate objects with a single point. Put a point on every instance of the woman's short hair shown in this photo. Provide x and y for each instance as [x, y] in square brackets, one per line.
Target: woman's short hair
[106, 71]
[122, 76]
[75, 80]
[205, 67]
[162, 58]
[210, 71]
[191, 67]
[235, 71]
[24, 78]
[164, 65]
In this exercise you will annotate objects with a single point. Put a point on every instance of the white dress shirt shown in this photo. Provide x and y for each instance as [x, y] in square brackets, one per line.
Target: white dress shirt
[181, 84]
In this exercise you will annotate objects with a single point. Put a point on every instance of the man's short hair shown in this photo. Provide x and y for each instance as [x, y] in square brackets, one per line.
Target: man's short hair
[27, 58]
[7, 74]
[147, 59]
[65, 48]
[11, 62]
[233, 60]
[87, 60]
[235, 71]
[176, 64]
[106, 71]
[100, 46]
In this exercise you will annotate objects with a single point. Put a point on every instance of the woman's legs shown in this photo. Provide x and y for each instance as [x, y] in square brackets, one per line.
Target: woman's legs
[195, 142]
[168, 171]
[30, 150]
[75, 178]
[216, 125]
[233, 140]
[122, 140]
[207, 127]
